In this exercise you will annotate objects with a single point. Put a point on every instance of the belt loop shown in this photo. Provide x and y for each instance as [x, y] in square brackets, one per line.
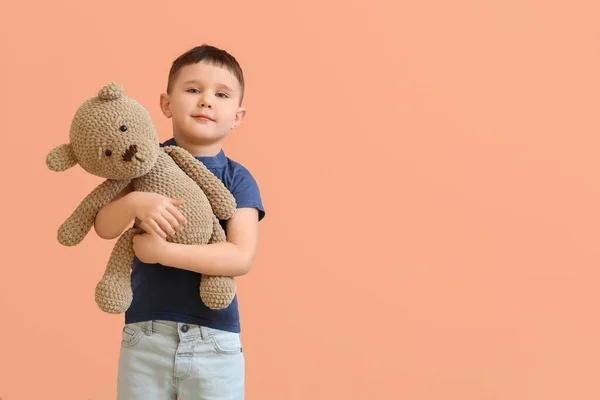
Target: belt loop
[203, 333]
[149, 328]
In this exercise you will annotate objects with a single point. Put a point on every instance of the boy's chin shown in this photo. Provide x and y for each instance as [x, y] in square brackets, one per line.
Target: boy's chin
[200, 137]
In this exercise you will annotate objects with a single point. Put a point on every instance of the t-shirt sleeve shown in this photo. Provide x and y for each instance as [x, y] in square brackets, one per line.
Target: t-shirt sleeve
[246, 192]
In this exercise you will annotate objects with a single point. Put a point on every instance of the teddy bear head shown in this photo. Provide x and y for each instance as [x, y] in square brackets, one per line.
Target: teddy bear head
[112, 136]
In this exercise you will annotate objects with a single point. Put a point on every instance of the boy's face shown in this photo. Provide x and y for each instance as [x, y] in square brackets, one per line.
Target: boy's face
[204, 103]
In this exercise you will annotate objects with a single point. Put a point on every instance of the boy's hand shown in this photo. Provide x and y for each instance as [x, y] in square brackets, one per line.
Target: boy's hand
[159, 213]
[149, 247]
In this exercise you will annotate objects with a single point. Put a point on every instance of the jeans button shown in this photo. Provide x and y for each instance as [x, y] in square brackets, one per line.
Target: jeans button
[185, 328]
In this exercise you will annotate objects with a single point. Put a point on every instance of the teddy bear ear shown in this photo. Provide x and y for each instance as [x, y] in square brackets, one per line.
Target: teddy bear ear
[61, 158]
[111, 91]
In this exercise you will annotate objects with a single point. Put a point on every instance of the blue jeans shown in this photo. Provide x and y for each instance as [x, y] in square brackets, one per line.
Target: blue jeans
[160, 360]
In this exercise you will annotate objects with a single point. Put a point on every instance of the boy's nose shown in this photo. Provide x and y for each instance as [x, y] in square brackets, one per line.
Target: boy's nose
[205, 101]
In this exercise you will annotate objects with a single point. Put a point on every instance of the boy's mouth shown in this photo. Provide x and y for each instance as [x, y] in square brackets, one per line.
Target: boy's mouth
[202, 118]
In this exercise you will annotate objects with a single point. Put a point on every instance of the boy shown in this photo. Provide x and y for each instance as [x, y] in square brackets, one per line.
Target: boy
[172, 344]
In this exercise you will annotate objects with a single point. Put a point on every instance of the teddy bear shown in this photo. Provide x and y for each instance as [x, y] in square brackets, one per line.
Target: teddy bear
[113, 137]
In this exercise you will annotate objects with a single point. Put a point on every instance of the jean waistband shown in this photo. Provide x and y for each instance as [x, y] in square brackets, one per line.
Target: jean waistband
[172, 328]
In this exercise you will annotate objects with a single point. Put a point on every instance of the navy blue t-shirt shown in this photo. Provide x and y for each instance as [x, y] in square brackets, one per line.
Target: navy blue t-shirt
[173, 294]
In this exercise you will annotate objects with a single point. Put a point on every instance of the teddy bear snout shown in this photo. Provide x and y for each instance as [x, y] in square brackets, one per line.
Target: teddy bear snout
[130, 153]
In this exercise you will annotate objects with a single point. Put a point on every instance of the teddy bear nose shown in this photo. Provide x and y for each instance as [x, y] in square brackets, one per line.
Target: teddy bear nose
[130, 152]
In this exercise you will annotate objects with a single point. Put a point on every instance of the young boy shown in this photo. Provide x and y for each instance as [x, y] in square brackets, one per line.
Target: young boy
[173, 345]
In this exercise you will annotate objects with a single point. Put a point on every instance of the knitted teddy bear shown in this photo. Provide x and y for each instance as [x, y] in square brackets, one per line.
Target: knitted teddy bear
[113, 136]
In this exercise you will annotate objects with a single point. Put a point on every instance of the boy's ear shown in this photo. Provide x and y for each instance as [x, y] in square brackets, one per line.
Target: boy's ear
[239, 117]
[61, 158]
[165, 105]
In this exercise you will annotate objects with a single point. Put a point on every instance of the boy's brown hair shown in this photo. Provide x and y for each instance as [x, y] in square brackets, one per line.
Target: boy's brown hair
[211, 55]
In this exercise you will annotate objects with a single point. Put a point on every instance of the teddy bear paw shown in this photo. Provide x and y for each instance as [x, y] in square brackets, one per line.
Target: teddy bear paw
[217, 292]
[113, 294]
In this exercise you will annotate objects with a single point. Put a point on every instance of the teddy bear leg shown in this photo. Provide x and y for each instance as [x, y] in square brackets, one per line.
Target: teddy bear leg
[217, 292]
[113, 292]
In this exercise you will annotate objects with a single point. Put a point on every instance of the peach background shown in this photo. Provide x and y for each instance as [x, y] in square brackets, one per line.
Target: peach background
[430, 172]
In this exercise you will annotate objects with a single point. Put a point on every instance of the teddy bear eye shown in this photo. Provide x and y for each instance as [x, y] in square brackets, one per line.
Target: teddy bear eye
[123, 128]
[108, 153]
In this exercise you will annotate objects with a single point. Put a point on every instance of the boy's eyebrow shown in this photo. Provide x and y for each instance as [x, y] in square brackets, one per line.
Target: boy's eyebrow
[222, 85]
[225, 86]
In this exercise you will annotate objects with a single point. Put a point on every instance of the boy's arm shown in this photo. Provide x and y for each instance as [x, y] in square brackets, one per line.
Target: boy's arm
[77, 226]
[159, 214]
[113, 218]
[232, 258]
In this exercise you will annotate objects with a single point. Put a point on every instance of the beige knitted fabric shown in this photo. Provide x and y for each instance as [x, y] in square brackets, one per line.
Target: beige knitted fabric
[113, 137]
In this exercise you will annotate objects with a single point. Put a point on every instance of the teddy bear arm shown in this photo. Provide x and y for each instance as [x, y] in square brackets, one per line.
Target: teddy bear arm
[221, 200]
[78, 225]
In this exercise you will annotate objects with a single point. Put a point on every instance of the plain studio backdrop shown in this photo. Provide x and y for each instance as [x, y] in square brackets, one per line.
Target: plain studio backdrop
[430, 173]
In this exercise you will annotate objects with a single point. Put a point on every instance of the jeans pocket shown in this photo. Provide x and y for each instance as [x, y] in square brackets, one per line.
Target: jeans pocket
[131, 335]
[225, 342]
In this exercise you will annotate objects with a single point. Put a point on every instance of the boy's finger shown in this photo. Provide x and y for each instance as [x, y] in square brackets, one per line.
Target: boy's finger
[156, 229]
[177, 214]
[172, 220]
[176, 202]
[165, 225]
[146, 228]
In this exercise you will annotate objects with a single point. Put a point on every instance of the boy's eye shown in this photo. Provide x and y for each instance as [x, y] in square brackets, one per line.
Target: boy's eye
[193, 90]
[224, 95]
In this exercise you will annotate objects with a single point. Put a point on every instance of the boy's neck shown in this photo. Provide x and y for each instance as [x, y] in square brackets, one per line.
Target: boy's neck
[200, 150]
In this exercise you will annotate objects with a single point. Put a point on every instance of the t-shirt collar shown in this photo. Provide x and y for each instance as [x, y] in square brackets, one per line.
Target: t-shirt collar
[209, 161]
